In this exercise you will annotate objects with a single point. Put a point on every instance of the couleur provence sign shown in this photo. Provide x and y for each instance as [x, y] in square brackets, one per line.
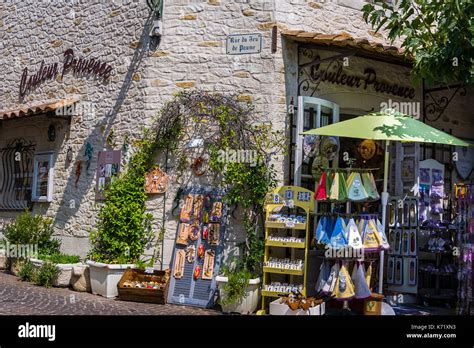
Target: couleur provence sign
[79, 67]
[244, 43]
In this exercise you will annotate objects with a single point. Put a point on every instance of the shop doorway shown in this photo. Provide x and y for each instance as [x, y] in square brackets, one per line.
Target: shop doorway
[309, 113]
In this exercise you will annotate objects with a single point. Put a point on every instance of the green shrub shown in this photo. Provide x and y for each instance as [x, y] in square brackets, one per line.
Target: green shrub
[30, 229]
[27, 272]
[46, 274]
[60, 258]
[235, 288]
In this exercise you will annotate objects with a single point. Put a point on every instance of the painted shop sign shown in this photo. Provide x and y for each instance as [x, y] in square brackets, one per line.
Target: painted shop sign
[332, 71]
[81, 67]
[244, 43]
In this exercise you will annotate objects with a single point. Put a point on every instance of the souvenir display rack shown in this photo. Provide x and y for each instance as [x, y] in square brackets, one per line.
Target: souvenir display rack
[296, 232]
[342, 208]
[437, 239]
[438, 263]
[403, 227]
[464, 219]
[199, 247]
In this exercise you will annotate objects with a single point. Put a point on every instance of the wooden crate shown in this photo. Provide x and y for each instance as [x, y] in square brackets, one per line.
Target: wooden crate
[141, 294]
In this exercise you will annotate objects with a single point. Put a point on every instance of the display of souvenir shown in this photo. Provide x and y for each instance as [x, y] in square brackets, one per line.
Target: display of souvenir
[179, 263]
[398, 271]
[344, 289]
[356, 191]
[338, 235]
[391, 270]
[321, 193]
[198, 206]
[216, 213]
[354, 239]
[197, 272]
[214, 233]
[412, 271]
[156, 181]
[185, 215]
[330, 284]
[194, 230]
[405, 243]
[383, 237]
[296, 265]
[324, 271]
[200, 250]
[369, 185]
[361, 288]
[303, 196]
[190, 253]
[205, 232]
[413, 244]
[370, 237]
[183, 233]
[208, 266]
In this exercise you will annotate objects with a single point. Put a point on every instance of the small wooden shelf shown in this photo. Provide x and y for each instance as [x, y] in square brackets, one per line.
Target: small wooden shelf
[283, 271]
[275, 243]
[283, 225]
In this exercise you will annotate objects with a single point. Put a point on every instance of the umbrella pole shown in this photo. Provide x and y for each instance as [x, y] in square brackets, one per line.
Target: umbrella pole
[384, 209]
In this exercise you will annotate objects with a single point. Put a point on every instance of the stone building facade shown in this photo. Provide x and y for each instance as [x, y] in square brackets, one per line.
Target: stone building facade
[145, 74]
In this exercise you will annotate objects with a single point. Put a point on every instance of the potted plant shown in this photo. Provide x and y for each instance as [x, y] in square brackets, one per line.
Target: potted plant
[239, 283]
[27, 236]
[64, 264]
[123, 229]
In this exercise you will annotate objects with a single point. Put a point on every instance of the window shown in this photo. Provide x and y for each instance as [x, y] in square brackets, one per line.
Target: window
[16, 174]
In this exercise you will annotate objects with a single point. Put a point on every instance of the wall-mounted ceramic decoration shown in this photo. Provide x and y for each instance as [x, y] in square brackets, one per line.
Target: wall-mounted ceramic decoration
[412, 271]
[156, 181]
[43, 177]
[413, 248]
[391, 270]
[108, 168]
[398, 271]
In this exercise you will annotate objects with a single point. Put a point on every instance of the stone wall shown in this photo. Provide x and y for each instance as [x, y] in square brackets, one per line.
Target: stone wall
[191, 54]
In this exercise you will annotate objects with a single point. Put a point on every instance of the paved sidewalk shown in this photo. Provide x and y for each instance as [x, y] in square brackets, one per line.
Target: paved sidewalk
[22, 298]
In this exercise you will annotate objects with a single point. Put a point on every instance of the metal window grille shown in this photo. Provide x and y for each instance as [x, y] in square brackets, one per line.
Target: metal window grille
[16, 168]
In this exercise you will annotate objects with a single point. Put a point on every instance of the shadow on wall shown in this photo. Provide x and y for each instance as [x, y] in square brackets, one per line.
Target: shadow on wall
[97, 138]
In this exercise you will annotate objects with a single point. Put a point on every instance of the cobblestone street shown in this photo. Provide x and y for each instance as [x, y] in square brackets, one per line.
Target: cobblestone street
[22, 298]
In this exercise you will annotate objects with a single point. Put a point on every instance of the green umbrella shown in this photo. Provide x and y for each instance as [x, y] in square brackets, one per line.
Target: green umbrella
[388, 125]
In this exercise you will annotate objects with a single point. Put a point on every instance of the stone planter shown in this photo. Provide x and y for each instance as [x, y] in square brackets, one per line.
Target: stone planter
[14, 265]
[3, 261]
[105, 277]
[81, 280]
[248, 304]
[63, 279]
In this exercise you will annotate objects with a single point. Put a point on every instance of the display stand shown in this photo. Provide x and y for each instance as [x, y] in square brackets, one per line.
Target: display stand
[402, 272]
[464, 204]
[344, 209]
[286, 238]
